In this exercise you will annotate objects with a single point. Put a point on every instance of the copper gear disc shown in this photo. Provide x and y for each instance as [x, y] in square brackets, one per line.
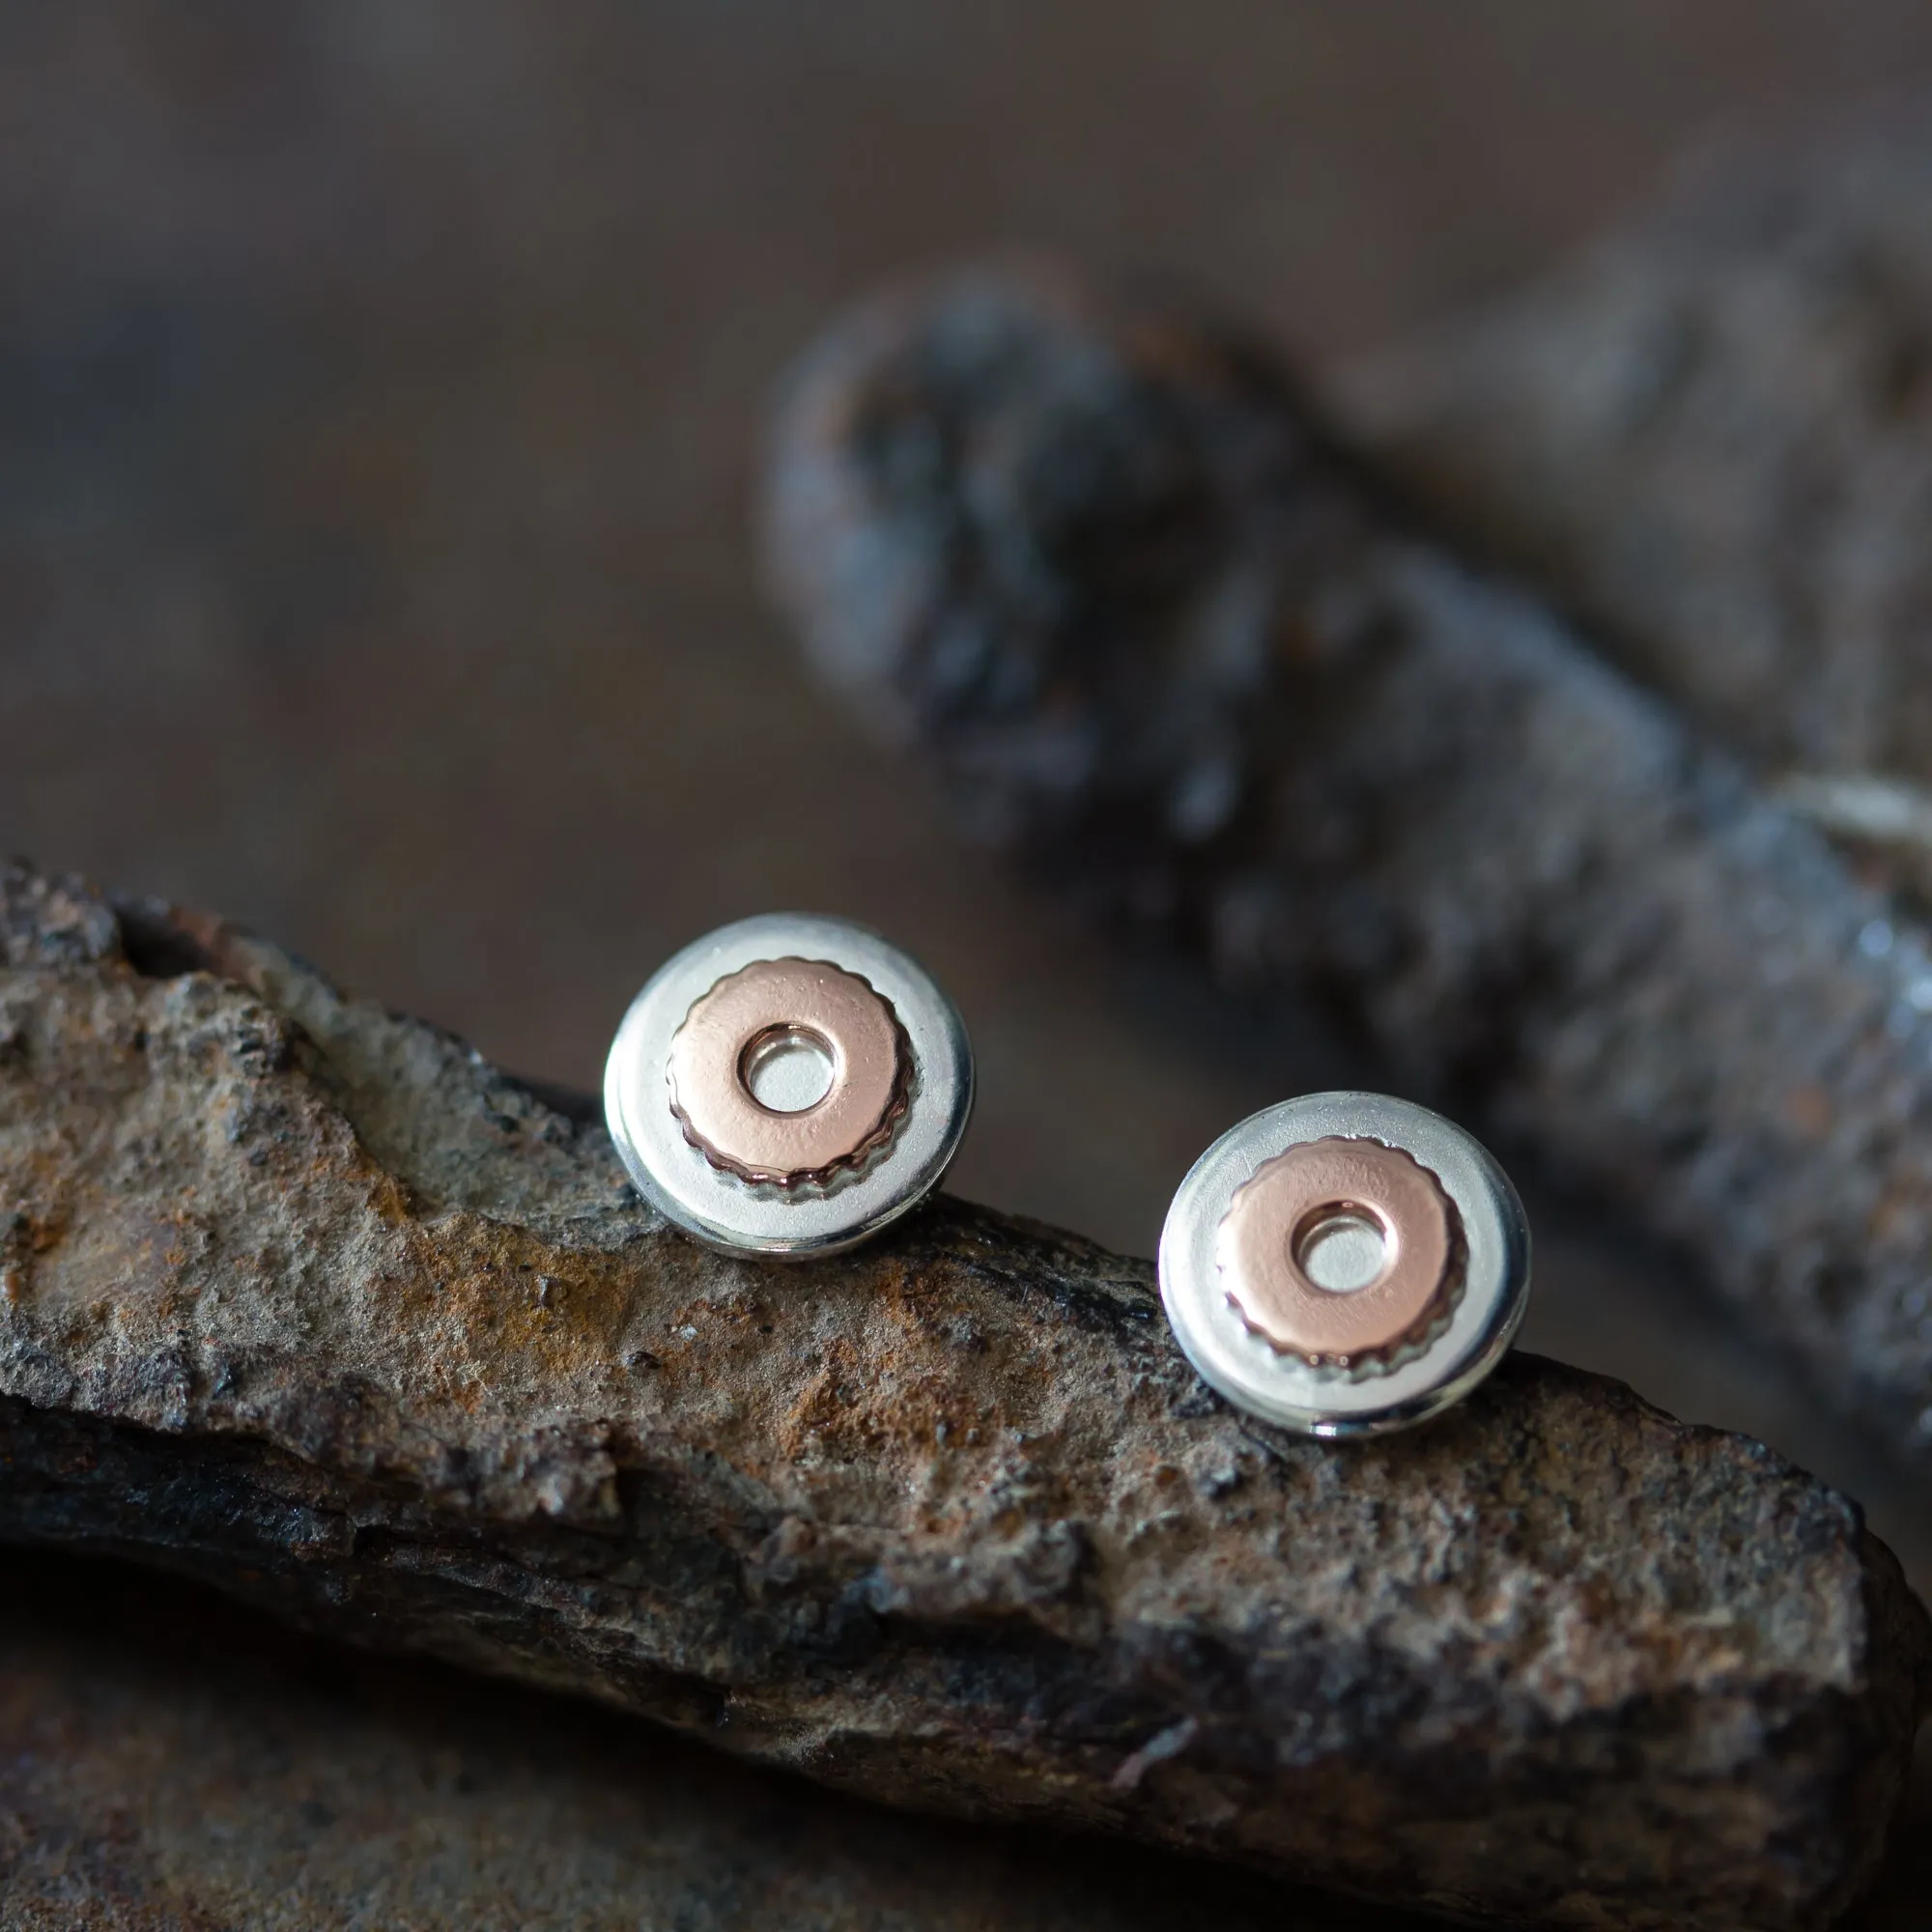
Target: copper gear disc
[709, 1072]
[1262, 1236]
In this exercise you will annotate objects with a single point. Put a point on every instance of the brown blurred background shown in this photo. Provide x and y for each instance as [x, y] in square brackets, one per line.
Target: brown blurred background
[380, 395]
[380, 392]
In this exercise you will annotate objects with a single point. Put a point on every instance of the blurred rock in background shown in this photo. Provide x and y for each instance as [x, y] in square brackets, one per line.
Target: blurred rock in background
[378, 397]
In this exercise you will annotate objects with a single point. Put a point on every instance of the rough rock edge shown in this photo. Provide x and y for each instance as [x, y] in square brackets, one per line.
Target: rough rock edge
[946, 1521]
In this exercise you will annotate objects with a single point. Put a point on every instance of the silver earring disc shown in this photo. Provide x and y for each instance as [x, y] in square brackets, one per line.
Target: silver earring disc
[1344, 1264]
[788, 1086]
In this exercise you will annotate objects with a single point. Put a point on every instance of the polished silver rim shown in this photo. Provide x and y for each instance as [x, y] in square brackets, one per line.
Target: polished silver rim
[1322, 1401]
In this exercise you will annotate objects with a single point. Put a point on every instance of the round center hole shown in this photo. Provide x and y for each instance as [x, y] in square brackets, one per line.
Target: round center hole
[1341, 1247]
[787, 1071]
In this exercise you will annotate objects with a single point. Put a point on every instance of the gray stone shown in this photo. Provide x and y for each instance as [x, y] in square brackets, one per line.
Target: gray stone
[946, 1521]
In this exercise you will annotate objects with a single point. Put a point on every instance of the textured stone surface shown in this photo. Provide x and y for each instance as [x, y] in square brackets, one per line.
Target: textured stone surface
[168, 1764]
[1092, 554]
[308, 1300]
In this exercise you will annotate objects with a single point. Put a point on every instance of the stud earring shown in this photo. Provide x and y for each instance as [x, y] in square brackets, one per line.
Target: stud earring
[1344, 1264]
[788, 1086]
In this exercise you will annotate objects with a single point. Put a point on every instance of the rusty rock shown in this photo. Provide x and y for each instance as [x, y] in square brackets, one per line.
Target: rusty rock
[341, 1318]
[173, 1764]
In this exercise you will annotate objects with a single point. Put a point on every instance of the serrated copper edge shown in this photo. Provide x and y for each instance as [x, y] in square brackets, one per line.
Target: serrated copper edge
[857, 1156]
[817, 1177]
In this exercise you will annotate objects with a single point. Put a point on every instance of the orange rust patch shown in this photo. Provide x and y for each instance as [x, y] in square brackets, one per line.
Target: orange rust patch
[1808, 1111]
[388, 1200]
[512, 1298]
[43, 1233]
[1899, 1211]
[853, 1405]
[25, 1237]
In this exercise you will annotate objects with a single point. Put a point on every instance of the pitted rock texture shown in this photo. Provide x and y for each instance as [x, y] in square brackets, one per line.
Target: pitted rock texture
[175, 1764]
[1093, 556]
[312, 1303]
[307, 1301]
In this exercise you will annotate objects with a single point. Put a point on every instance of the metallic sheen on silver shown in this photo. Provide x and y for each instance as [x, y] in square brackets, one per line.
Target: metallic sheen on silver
[738, 1215]
[1321, 1398]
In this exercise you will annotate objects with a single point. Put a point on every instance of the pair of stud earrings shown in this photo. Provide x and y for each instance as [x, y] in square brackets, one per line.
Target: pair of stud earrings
[1341, 1264]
